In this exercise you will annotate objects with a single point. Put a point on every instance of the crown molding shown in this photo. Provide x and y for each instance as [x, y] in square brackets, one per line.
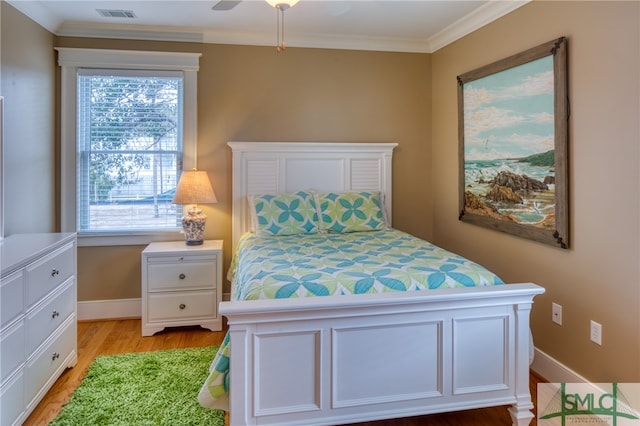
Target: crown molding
[477, 19]
[489, 12]
[130, 32]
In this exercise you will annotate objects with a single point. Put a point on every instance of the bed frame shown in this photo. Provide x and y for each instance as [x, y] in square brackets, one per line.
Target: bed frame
[302, 361]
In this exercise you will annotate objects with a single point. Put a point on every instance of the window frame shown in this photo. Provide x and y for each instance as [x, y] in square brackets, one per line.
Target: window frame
[70, 60]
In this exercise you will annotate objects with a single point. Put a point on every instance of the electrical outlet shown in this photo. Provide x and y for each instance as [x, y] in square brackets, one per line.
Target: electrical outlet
[556, 313]
[596, 332]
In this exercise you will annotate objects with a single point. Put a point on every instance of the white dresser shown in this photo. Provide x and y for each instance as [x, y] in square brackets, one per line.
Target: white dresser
[38, 318]
[181, 285]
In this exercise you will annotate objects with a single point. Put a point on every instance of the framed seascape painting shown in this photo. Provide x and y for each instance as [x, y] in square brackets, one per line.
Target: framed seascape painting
[513, 136]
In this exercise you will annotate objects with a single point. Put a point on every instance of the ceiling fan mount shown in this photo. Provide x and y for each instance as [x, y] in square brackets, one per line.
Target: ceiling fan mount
[230, 4]
[280, 5]
[225, 5]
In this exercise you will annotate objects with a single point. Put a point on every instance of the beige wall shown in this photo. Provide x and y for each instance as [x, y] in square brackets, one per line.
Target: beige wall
[28, 82]
[597, 279]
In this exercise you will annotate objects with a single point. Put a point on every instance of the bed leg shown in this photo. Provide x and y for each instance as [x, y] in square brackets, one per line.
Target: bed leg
[521, 414]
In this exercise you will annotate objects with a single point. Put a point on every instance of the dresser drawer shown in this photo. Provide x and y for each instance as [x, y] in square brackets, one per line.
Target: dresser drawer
[176, 306]
[11, 297]
[41, 367]
[42, 321]
[12, 344]
[50, 272]
[12, 400]
[163, 276]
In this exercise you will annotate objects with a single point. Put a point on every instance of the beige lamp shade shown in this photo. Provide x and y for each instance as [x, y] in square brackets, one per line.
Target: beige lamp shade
[194, 188]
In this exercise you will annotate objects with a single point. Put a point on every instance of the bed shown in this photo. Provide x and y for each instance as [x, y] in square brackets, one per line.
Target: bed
[403, 339]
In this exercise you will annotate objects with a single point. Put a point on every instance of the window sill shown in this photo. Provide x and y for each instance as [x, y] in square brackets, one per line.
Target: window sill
[134, 238]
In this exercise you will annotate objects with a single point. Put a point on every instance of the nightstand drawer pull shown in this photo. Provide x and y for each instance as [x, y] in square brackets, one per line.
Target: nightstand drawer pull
[182, 306]
[55, 272]
[55, 314]
[55, 356]
[182, 276]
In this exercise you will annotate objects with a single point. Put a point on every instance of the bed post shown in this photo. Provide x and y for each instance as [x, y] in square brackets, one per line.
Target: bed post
[520, 412]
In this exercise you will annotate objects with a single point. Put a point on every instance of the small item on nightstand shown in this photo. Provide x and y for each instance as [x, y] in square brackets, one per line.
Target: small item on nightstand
[194, 187]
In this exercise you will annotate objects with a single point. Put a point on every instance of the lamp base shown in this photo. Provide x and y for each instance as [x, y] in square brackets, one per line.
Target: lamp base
[193, 224]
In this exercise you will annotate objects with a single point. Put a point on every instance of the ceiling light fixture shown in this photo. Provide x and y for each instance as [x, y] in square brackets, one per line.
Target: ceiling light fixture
[281, 6]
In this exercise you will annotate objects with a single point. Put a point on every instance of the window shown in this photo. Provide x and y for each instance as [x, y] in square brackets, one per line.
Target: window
[128, 129]
[129, 142]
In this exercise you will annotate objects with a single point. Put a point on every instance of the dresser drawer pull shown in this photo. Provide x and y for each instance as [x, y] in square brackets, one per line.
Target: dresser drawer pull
[55, 314]
[54, 272]
[182, 306]
[182, 276]
[55, 356]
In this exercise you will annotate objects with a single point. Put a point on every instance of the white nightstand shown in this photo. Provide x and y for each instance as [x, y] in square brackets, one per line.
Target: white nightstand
[181, 285]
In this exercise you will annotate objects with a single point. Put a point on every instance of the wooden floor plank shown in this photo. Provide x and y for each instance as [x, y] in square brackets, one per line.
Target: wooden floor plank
[110, 337]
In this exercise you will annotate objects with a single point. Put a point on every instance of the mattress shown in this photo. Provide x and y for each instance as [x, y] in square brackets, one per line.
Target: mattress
[333, 264]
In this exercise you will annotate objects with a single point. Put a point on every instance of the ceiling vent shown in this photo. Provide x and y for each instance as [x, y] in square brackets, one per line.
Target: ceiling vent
[115, 13]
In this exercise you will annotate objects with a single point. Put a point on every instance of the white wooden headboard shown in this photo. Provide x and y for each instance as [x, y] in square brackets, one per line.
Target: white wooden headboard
[276, 167]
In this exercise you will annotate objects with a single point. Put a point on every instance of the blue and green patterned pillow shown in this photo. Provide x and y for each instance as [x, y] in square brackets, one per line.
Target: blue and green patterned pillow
[284, 214]
[343, 212]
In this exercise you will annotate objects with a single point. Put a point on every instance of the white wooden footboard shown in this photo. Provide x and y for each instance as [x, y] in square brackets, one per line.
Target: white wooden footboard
[336, 360]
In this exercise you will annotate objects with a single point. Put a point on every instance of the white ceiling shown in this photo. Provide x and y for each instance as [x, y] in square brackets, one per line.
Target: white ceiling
[392, 25]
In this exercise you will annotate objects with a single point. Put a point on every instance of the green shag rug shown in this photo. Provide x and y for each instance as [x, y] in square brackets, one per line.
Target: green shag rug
[145, 388]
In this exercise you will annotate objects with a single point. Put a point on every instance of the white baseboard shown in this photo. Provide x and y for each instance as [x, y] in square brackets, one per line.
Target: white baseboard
[109, 309]
[554, 371]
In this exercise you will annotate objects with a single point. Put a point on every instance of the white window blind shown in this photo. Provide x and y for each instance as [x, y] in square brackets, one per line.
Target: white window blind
[129, 134]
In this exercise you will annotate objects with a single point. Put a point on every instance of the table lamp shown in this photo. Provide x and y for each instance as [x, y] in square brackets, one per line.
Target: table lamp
[194, 188]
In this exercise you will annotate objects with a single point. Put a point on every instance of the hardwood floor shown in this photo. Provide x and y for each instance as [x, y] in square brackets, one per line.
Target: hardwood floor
[122, 336]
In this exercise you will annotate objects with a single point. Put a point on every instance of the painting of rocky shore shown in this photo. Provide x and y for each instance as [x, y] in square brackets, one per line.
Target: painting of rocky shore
[517, 190]
[513, 138]
[509, 141]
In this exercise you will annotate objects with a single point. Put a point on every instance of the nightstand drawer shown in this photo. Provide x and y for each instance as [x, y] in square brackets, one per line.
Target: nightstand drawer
[182, 275]
[49, 273]
[172, 306]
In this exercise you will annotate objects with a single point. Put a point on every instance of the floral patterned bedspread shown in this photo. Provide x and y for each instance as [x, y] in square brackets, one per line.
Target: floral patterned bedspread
[325, 264]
